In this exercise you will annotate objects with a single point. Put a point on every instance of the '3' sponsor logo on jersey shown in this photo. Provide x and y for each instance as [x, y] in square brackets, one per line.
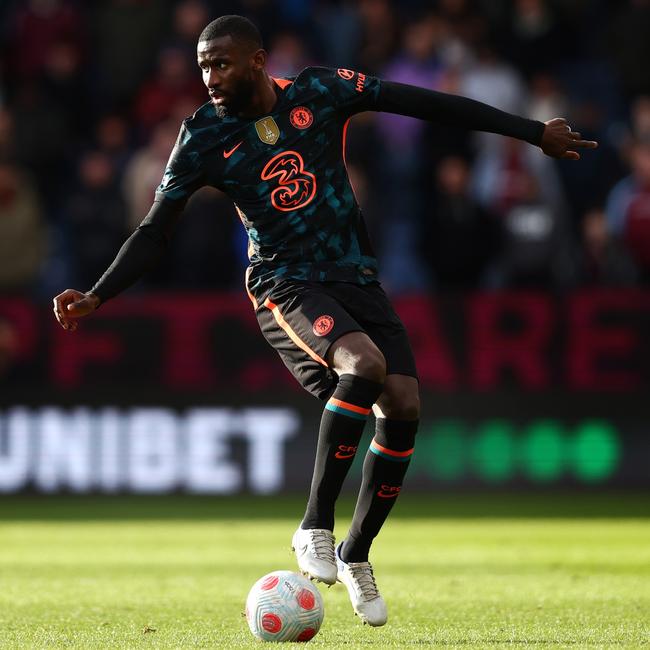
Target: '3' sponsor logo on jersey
[296, 186]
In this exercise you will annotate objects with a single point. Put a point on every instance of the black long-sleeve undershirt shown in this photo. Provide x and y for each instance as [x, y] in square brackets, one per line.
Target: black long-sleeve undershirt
[452, 110]
[144, 248]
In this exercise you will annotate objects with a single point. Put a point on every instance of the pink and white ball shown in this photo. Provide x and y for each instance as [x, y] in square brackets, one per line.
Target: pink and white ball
[284, 606]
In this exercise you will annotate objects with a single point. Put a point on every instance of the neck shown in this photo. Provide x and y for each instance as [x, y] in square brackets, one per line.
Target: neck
[263, 99]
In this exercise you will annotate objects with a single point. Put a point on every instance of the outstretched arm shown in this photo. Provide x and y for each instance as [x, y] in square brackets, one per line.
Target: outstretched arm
[141, 251]
[554, 137]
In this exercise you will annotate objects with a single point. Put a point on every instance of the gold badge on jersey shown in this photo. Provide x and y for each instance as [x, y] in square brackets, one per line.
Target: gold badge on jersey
[267, 130]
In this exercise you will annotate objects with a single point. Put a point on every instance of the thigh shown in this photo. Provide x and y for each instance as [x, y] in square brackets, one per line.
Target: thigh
[370, 307]
[301, 321]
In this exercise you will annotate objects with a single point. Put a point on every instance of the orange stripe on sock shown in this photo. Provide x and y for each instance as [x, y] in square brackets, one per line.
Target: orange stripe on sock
[390, 452]
[348, 406]
[291, 334]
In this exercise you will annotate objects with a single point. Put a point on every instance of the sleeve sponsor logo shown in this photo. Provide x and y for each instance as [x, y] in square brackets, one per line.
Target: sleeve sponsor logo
[348, 75]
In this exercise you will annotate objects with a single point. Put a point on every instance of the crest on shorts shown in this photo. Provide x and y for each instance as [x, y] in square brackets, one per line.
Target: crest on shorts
[323, 325]
[301, 117]
[267, 130]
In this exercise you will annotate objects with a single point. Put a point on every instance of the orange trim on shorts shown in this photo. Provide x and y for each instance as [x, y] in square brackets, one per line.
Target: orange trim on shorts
[348, 406]
[290, 333]
[250, 295]
[283, 83]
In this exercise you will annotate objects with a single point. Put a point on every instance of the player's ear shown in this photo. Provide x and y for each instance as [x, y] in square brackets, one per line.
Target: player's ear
[259, 60]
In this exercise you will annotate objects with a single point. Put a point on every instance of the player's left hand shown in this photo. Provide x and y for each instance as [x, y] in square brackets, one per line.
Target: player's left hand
[560, 141]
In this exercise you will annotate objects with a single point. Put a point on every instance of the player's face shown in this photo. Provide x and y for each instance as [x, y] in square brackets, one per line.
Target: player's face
[229, 73]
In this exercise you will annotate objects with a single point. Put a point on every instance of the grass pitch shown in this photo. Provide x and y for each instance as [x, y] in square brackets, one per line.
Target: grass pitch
[457, 572]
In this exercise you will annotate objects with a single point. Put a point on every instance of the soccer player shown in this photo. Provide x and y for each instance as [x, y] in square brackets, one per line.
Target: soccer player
[276, 147]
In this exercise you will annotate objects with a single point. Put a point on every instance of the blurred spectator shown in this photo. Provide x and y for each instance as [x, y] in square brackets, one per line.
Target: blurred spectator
[641, 116]
[546, 99]
[627, 190]
[602, 261]
[404, 193]
[502, 177]
[521, 186]
[36, 28]
[112, 138]
[145, 170]
[9, 349]
[339, 29]
[190, 17]
[535, 37]
[630, 47]
[65, 87]
[126, 35]
[629, 207]
[458, 237]
[380, 34]
[96, 218]
[287, 55]
[70, 72]
[23, 236]
[41, 140]
[174, 81]
[495, 82]
[7, 151]
[204, 253]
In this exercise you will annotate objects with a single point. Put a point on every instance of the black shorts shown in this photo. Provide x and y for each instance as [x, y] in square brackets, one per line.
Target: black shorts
[302, 319]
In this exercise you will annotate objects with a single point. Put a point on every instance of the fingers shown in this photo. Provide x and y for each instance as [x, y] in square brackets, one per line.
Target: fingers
[62, 308]
[585, 144]
[571, 155]
[59, 313]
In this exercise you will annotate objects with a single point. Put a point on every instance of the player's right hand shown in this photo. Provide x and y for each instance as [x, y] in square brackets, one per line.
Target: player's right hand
[70, 305]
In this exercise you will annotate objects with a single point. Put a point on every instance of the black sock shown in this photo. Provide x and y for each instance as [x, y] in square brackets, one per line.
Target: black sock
[384, 468]
[341, 427]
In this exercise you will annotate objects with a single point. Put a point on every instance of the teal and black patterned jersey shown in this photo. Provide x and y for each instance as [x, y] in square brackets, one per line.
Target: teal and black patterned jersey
[286, 174]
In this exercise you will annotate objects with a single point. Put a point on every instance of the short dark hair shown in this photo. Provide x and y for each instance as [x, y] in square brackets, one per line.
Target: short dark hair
[237, 27]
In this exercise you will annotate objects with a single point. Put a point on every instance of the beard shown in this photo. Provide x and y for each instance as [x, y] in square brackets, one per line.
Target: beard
[240, 98]
[221, 111]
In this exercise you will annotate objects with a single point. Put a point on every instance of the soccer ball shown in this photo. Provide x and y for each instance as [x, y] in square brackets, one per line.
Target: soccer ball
[284, 606]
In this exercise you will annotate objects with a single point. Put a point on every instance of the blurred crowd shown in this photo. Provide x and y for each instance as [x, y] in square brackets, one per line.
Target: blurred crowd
[92, 95]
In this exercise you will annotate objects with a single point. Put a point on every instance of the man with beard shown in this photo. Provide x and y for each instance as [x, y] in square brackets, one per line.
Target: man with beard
[276, 147]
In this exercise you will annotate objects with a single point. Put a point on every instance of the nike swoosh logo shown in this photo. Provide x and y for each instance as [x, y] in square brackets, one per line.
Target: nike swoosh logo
[227, 154]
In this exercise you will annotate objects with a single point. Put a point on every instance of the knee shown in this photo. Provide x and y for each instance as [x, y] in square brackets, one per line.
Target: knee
[356, 354]
[370, 365]
[399, 403]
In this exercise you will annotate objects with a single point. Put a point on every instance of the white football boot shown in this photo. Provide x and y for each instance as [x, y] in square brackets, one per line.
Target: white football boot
[314, 550]
[367, 602]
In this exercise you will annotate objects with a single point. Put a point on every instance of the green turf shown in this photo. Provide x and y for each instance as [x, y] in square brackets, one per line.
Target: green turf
[110, 574]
